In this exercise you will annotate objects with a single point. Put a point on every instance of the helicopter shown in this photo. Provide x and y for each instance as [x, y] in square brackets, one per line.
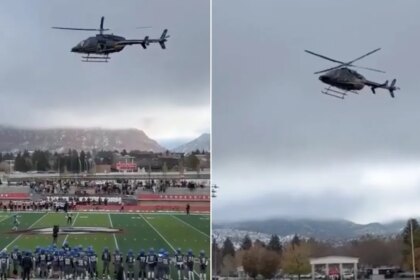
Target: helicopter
[347, 80]
[102, 44]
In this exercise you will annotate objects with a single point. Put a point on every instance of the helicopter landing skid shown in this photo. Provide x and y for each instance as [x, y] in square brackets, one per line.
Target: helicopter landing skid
[95, 58]
[337, 93]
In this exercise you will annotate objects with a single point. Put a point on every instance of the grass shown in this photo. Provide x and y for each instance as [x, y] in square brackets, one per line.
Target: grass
[138, 231]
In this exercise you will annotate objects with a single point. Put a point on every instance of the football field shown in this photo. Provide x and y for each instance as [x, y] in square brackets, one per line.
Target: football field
[113, 230]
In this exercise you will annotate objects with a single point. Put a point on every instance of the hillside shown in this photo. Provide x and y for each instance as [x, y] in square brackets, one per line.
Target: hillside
[13, 139]
[201, 143]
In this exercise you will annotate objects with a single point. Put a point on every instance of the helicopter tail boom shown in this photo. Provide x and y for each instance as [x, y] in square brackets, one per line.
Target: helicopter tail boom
[391, 88]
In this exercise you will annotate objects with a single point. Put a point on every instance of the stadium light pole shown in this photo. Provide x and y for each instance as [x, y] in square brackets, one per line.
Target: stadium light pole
[412, 250]
[214, 190]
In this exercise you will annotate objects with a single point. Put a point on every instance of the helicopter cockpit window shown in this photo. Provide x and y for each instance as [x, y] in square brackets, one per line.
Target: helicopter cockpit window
[82, 43]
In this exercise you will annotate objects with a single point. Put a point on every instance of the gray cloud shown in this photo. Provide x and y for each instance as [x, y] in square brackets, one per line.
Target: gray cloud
[268, 113]
[39, 73]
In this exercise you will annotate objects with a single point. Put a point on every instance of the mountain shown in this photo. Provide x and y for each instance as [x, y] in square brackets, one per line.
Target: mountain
[57, 139]
[200, 143]
[335, 230]
[237, 236]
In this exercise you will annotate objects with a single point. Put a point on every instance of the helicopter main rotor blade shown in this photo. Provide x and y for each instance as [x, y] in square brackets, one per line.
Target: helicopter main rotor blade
[101, 27]
[329, 69]
[79, 29]
[351, 65]
[367, 68]
[369, 53]
[324, 57]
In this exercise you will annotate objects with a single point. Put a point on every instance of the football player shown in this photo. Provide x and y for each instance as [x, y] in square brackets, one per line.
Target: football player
[4, 264]
[141, 258]
[190, 264]
[204, 262]
[118, 262]
[106, 259]
[130, 260]
[151, 264]
[179, 262]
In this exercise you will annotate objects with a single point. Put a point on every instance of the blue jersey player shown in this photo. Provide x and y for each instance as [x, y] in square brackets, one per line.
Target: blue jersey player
[179, 263]
[151, 260]
[106, 259]
[141, 258]
[204, 262]
[190, 264]
[130, 261]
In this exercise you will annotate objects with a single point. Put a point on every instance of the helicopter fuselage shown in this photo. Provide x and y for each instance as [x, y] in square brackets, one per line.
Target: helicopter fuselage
[344, 78]
[101, 44]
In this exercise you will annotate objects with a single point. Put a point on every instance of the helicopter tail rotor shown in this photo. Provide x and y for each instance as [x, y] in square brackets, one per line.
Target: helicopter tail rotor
[163, 38]
[392, 87]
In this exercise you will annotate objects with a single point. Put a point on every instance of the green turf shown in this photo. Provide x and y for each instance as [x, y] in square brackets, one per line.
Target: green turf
[138, 231]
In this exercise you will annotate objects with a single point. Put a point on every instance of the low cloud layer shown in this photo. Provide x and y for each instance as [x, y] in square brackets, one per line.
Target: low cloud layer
[43, 84]
[281, 145]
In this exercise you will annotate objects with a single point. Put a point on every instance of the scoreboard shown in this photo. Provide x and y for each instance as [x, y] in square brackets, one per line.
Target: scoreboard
[126, 166]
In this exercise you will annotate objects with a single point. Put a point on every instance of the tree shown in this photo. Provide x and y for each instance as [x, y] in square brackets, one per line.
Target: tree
[269, 263]
[229, 265]
[246, 243]
[259, 243]
[8, 156]
[40, 160]
[406, 234]
[228, 248]
[295, 240]
[75, 161]
[192, 162]
[295, 259]
[21, 163]
[83, 161]
[250, 262]
[216, 258]
[274, 244]
[407, 250]
[260, 261]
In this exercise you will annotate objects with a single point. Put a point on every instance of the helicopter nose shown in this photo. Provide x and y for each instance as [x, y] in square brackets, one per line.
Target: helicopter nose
[75, 49]
[323, 78]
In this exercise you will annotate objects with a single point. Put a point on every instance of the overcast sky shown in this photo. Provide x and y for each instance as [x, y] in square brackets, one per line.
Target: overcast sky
[280, 147]
[163, 92]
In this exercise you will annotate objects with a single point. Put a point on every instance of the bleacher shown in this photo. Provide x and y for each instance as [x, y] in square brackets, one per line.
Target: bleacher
[130, 195]
[178, 191]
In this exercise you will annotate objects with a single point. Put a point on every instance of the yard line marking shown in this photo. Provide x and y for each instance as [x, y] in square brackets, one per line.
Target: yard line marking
[167, 242]
[161, 236]
[20, 235]
[191, 226]
[72, 224]
[115, 239]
